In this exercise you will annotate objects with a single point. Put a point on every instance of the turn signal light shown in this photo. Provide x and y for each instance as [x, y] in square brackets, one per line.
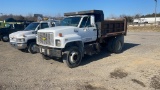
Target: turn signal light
[60, 34]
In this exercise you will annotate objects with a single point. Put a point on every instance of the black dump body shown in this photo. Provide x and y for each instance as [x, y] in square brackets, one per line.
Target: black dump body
[99, 16]
[113, 27]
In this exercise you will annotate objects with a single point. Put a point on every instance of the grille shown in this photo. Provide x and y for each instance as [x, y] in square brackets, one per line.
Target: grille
[46, 38]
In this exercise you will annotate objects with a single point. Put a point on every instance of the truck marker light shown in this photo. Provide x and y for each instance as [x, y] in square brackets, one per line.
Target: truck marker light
[60, 34]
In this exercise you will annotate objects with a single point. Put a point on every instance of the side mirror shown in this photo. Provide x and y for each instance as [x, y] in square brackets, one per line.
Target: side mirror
[34, 32]
[92, 20]
[11, 26]
[53, 25]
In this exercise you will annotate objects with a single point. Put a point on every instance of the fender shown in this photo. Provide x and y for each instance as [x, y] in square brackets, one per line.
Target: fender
[72, 38]
[30, 40]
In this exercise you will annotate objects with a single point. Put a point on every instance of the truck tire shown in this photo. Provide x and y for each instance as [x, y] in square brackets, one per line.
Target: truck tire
[24, 50]
[72, 57]
[5, 38]
[109, 45]
[45, 57]
[31, 48]
[116, 44]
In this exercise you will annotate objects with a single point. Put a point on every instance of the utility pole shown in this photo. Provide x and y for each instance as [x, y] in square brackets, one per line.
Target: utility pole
[155, 10]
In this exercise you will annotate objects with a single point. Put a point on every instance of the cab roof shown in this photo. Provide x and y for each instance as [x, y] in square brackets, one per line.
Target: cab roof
[99, 16]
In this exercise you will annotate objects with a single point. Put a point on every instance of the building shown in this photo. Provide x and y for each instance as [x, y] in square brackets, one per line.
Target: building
[147, 20]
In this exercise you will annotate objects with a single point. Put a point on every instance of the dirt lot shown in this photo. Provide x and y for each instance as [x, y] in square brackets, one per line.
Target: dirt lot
[136, 68]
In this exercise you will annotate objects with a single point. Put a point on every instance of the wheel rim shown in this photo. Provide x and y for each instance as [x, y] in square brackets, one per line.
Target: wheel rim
[119, 45]
[5, 38]
[33, 48]
[73, 57]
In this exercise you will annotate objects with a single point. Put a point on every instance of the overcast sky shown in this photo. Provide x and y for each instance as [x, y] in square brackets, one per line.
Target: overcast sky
[53, 7]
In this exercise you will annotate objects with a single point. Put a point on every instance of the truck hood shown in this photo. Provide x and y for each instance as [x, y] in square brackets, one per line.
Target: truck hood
[60, 29]
[21, 33]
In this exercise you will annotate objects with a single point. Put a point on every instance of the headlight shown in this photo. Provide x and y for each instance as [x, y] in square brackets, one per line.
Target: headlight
[58, 43]
[21, 40]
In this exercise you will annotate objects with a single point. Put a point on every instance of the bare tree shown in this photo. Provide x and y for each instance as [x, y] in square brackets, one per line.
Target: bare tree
[137, 16]
[112, 17]
[19, 17]
[58, 16]
[30, 17]
[128, 17]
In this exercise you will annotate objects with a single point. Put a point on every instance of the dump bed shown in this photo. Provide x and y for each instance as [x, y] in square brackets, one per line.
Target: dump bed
[113, 27]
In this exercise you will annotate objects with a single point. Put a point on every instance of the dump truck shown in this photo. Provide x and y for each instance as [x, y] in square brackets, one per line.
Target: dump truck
[80, 33]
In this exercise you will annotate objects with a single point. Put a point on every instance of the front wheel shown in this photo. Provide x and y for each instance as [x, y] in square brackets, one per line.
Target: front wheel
[24, 50]
[32, 48]
[5, 38]
[72, 57]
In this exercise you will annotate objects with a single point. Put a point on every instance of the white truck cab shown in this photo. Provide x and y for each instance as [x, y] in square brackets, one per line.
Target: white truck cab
[73, 28]
[26, 40]
[81, 33]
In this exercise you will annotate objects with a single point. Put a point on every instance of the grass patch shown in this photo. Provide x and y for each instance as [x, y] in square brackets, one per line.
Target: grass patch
[144, 28]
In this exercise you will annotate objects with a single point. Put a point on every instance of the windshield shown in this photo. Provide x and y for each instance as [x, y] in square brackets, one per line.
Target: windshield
[71, 21]
[31, 26]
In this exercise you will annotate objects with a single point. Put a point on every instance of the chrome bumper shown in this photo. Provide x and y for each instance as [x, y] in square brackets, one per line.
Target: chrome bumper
[52, 52]
[18, 45]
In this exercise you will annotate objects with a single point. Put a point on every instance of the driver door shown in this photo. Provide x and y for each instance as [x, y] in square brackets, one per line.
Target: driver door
[87, 31]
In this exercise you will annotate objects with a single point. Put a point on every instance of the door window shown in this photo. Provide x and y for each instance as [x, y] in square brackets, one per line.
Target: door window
[44, 25]
[85, 22]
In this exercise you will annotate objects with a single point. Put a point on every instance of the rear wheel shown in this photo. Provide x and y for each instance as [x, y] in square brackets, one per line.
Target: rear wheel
[109, 45]
[72, 57]
[5, 38]
[32, 48]
[115, 45]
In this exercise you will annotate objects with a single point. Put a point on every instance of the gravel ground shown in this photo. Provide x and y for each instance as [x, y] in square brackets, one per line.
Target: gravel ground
[136, 68]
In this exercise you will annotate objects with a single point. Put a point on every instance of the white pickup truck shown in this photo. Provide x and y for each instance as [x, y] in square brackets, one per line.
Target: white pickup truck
[84, 32]
[26, 40]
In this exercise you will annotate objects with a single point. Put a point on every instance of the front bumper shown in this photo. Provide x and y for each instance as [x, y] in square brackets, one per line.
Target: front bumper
[52, 52]
[18, 45]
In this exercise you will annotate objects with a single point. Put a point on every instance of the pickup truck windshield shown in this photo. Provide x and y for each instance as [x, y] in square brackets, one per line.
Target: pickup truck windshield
[71, 21]
[31, 26]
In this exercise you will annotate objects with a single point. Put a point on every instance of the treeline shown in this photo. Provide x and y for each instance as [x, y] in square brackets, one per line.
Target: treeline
[130, 18]
[29, 17]
[151, 15]
[18, 17]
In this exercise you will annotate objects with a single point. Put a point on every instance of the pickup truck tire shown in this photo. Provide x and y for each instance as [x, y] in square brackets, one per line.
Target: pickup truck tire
[24, 50]
[31, 48]
[72, 57]
[116, 44]
[5, 38]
